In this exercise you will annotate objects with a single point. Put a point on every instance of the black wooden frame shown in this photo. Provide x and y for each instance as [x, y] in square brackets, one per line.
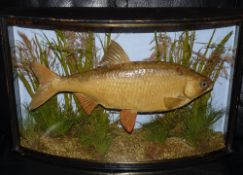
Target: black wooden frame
[118, 20]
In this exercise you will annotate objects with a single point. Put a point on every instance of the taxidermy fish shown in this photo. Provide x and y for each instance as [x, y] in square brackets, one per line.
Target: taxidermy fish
[131, 87]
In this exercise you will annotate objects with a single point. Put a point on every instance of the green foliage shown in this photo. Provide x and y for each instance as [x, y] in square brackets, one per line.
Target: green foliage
[171, 124]
[52, 119]
[198, 126]
[157, 130]
[95, 131]
[28, 131]
[106, 42]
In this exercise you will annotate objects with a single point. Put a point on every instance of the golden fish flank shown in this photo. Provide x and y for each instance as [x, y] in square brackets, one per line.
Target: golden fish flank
[127, 86]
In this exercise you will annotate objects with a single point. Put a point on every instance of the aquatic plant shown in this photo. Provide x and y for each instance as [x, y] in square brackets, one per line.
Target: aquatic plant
[167, 125]
[198, 125]
[95, 133]
[53, 120]
[157, 130]
[106, 43]
[28, 132]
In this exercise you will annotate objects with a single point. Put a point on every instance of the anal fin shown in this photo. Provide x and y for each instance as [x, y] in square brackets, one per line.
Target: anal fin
[128, 119]
[86, 102]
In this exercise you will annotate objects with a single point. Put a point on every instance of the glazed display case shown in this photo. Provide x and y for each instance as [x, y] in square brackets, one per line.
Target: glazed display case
[117, 90]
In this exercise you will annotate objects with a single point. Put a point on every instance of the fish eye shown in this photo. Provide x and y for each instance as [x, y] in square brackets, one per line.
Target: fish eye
[204, 84]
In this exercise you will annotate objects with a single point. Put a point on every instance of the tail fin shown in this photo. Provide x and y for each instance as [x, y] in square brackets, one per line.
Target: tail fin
[45, 89]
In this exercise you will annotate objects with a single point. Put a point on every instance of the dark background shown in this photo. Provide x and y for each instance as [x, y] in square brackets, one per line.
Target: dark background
[124, 3]
[10, 163]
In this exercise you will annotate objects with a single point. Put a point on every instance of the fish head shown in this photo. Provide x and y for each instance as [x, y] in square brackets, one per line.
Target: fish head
[197, 85]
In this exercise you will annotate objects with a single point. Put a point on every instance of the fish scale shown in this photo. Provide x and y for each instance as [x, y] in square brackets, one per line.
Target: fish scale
[134, 92]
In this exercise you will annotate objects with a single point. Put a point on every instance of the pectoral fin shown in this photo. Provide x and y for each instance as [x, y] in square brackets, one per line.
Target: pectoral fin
[128, 119]
[172, 102]
[86, 102]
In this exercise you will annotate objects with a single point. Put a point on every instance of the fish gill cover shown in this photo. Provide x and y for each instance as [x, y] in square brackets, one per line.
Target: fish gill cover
[97, 136]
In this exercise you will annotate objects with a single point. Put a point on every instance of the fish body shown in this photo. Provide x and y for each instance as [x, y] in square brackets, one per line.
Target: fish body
[131, 87]
[140, 86]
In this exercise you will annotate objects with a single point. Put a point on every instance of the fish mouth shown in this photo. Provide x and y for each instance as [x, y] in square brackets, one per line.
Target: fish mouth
[211, 84]
[209, 88]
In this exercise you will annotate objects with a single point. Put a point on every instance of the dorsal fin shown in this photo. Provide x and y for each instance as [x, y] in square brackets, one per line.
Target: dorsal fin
[114, 55]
